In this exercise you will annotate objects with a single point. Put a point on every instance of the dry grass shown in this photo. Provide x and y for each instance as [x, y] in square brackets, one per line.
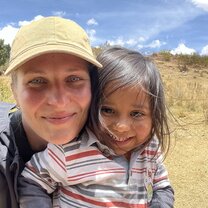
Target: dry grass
[187, 161]
[187, 166]
[5, 90]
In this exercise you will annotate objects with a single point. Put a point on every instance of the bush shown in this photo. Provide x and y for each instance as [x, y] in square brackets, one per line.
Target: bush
[5, 90]
[4, 54]
[3, 68]
[166, 55]
[192, 60]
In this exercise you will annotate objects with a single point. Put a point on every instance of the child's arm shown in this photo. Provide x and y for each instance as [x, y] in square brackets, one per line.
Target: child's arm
[163, 194]
[163, 198]
[32, 195]
[41, 176]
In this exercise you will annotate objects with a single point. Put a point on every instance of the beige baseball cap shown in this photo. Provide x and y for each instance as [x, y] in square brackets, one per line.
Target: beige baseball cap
[50, 35]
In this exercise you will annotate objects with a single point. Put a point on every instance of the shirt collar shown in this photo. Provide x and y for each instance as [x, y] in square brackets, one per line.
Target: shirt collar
[89, 139]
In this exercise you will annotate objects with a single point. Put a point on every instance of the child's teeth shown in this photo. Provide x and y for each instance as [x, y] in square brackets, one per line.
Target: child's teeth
[118, 139]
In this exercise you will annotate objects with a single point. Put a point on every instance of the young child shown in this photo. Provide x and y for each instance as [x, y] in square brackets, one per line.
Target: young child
[118, 161]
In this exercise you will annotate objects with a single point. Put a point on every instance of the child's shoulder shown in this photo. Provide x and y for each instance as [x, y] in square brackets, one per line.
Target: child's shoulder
[72, 145]
[151, 149]
[83, 141]
[153, 143]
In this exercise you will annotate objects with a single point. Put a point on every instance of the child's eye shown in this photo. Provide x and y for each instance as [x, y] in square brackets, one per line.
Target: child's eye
[136, 114]
[106, 111]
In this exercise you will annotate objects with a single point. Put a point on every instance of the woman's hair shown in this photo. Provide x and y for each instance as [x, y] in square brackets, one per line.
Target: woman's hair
[126, 68]
[93, 71]
[13, 75]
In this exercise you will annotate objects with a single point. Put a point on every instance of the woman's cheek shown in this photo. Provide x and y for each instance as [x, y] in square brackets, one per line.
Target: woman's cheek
[32, 97]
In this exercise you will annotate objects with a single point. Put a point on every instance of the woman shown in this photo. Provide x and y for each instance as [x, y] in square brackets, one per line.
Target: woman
[53, 80]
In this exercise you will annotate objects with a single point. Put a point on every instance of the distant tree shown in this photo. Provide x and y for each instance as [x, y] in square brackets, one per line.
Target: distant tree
[98, 49]
[4, 52]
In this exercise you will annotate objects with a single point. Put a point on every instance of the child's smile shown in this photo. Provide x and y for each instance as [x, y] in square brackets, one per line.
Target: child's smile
[119, 139]
[126, 117]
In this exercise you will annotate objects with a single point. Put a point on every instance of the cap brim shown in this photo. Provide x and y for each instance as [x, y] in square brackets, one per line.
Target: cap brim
[37, 51]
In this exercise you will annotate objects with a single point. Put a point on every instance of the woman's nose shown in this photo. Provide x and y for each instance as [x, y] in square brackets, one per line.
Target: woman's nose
[58, 97]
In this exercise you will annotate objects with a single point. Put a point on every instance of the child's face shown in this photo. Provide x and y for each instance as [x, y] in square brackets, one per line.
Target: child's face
[126, 117]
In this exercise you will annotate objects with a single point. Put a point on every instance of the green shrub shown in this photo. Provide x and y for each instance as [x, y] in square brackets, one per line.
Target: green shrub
[192, 60]
[166, 55]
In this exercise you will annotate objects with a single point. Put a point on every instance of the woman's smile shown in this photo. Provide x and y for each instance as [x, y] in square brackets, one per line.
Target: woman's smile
[60, 118]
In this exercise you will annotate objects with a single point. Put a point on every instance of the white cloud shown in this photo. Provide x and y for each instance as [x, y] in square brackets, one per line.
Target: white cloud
[182, 49]
[142, 39]
[203, 4]
[140, 46]
[92, 21]
[59, 13]
[134, 41]
[119, 41]
[155, 44]
[22, 23]
[92, 35]
[131, 42]
[204, 51]
[8, 32]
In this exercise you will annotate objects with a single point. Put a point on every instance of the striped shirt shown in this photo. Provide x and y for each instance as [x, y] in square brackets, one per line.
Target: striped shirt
[85, 173]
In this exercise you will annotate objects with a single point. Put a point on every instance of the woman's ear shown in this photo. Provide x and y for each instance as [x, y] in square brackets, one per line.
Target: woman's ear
[14, 92]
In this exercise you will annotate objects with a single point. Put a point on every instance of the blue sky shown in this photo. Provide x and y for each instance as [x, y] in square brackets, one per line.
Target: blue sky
[179, 26]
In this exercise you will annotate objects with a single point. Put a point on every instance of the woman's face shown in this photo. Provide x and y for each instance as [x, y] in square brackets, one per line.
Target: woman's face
[53, 92]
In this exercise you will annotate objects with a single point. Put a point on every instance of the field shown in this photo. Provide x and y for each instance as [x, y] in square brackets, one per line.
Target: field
[187, 161]
[187, 97]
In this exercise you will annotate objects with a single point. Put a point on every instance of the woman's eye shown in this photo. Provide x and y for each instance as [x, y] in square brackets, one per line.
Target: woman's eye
[37, 81]
[136, 114]
[106, 111]
[73, 79]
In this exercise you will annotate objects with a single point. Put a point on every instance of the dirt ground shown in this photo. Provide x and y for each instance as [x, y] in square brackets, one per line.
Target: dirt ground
[187, 164]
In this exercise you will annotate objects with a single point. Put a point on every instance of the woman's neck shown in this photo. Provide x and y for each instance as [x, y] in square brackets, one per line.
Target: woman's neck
[36, 142]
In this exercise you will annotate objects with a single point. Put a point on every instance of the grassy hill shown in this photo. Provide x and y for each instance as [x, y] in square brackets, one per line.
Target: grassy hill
[187, 97]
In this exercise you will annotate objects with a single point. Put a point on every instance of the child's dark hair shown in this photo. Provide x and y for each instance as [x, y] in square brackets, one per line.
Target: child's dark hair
[127, 68]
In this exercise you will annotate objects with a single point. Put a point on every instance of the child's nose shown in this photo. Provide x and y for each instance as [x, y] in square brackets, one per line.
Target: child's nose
[122, 126]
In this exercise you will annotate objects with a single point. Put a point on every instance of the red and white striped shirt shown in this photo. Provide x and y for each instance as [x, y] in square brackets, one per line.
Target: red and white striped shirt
[86, 173]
